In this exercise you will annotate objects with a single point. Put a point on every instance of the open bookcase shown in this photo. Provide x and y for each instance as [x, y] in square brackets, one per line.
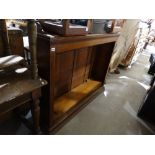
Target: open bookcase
[75, 68]
[74, 96]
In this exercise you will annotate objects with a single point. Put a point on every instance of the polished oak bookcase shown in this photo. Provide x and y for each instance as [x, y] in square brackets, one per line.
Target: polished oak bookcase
[75, 68]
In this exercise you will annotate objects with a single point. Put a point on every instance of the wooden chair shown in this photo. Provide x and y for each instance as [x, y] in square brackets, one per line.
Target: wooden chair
[20, 83]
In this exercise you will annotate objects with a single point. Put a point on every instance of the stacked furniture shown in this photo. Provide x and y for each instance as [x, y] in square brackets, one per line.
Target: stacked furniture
[75, 68]
[64, 27]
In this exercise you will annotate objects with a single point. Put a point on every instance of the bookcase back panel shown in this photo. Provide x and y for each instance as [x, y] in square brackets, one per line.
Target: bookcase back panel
[80, 63]
[64, 69]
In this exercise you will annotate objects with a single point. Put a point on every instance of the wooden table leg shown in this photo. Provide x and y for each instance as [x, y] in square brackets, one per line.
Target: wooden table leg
[35, 109]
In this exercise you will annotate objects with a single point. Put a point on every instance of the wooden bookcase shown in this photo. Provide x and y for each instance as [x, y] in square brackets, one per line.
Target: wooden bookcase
[75, 68]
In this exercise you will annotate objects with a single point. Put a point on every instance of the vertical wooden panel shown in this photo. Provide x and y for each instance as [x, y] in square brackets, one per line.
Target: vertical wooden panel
[101, 62]
[89, 63]
[15, 42]
[2, 52]
[44, 65]
[5, 37]
[80, 64]
[64, 69]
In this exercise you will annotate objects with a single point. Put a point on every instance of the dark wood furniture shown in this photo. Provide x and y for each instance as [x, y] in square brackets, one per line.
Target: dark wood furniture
[15, 42]
[147, 108]
[64, 28]
[20, 83]
[75, 68]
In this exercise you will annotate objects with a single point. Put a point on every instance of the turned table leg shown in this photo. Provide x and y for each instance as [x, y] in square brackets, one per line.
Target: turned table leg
[35, 109]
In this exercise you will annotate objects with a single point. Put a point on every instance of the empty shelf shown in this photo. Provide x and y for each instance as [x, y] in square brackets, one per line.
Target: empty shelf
[70, 99]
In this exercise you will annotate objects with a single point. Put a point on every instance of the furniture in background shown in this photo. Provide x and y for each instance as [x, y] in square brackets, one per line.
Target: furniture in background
[147, 109]
[75, 68]
[101, 26]
[64, 27]
[152, 64]
[16, 44]
[133, 51]
[18, 23]
[123, 44]
[19, 82]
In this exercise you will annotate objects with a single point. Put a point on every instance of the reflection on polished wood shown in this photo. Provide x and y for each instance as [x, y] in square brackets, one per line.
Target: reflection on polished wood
[10, 61]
